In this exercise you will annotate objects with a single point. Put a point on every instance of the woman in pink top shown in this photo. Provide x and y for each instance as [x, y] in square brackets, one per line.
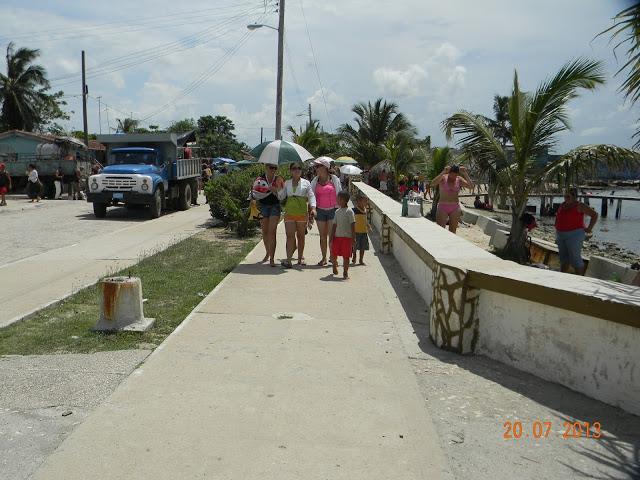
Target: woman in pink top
[326, 188]
[449, 182]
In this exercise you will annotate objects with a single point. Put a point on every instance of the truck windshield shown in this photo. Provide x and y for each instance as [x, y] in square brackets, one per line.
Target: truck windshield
[128, 158]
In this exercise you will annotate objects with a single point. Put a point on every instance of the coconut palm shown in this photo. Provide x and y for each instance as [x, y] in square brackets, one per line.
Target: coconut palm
[128, 125]
[626, 24]
[309, 138]
[375, 124]
[403, 159]
[22, 90]
[536, 120]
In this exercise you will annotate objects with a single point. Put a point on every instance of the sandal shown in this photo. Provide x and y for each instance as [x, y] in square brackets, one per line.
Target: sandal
[322, 263]
[286, 264]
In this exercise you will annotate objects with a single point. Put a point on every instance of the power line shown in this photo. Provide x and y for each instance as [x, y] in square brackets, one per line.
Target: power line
[313, 53]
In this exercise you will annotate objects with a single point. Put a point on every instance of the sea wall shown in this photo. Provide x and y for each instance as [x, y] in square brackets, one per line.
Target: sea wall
[581, 332]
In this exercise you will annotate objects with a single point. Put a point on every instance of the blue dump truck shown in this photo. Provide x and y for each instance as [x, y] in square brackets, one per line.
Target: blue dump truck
[154, 169]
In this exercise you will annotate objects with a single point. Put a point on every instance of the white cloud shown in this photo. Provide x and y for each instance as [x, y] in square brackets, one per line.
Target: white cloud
[592, 131]
[401, 83]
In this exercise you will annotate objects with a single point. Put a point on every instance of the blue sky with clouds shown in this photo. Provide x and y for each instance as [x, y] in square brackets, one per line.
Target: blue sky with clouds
[170, 61]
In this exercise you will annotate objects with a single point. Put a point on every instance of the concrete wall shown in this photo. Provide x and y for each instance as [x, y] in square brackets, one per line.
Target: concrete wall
[581, 332]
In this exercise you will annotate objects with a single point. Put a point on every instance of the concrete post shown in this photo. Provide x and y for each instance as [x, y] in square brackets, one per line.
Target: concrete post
[121, 305]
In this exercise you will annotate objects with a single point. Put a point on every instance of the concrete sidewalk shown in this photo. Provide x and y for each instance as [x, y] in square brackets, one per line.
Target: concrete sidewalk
[277, 374]
[34, 282]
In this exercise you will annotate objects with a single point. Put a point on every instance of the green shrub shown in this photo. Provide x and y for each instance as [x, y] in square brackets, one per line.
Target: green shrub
[228, 198]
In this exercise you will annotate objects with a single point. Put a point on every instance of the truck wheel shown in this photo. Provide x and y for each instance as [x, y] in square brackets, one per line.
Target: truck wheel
[194, 192]
[185, 196]
[100, 210]
[155, 209]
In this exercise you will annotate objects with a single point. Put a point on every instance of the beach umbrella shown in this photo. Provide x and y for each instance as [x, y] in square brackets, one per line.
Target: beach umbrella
[345, 161]
[223, 160]
[279, 152]
[245, 163]
[350, 170]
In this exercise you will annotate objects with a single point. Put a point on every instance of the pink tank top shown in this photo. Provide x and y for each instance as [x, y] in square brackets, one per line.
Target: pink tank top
[325, 195]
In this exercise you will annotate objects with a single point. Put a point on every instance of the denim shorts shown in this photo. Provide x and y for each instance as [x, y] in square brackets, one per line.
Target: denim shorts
[270, 210]
[362, 241]
[325, 214]
[570, 247]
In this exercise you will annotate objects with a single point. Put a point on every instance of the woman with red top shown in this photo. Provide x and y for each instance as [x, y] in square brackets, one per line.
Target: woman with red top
[570, 231]
[326, 188]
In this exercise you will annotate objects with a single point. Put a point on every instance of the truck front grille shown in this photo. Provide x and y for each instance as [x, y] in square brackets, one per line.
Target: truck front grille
[118, 183]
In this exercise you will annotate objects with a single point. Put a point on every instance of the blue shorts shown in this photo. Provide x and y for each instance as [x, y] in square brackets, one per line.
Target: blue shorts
[570, 247]
[325, 214]
[362, 242]
[272, 210]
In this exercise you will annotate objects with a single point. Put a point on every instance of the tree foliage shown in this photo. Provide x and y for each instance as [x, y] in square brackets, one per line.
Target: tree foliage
[127, 125]
[375, 124]
[536, 120]
[216, 138]
[26, 103]
[182, 126]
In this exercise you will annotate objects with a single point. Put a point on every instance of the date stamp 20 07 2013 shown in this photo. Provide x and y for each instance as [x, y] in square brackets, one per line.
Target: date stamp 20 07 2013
[516, 430]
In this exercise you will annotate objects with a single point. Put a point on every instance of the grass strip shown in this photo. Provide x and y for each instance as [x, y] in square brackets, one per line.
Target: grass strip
[174, 281]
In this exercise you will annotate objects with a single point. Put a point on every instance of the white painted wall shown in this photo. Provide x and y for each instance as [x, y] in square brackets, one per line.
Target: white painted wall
[598, 358]
[414, 268]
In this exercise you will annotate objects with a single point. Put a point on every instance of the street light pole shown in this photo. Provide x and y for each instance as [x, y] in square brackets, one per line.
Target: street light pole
[279, 78]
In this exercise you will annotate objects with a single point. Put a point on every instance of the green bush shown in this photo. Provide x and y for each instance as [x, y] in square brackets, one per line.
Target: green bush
[228, 198]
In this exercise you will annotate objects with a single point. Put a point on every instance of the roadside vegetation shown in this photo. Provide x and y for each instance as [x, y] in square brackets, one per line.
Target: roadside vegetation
[174, 281]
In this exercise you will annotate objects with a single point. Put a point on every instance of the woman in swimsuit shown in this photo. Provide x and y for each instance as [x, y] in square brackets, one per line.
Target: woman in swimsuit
[450, 181]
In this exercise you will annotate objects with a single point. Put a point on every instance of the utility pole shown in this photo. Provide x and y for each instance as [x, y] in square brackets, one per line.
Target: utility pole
[85, 92]
[310, 115]
[99, 115]
[108, 124]
[279, 79]
[261, 137]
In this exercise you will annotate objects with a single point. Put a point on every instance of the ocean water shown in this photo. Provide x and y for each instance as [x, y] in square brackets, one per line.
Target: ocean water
[624, 231]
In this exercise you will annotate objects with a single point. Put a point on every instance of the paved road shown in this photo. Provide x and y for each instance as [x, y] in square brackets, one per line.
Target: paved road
[58, 247]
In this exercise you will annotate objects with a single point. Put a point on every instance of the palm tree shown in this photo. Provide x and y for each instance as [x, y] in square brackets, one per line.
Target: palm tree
[375, 124]
[403, 159]
[22, 90]
[128, 125]
[501, 124]
[627, 23]
[310, 138]
[536, 120]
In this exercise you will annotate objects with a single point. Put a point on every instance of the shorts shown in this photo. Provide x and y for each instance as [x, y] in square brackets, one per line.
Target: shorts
[295, 218]
[383, 185]
[362, 242]
[4, 190]
[570, 247]
[449, 207]
[341, 247]
[325, 214]
[267, 211]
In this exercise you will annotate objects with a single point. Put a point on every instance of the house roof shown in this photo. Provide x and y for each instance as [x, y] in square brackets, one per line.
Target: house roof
[22, 133]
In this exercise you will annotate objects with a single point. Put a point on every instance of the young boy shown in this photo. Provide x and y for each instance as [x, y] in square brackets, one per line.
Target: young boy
[362, 227]
[344, 230]
[5, 184]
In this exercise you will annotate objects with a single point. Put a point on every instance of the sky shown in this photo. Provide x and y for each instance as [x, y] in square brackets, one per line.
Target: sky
[160, 61]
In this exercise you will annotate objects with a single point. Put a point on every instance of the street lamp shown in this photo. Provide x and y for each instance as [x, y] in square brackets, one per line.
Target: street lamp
[280, 30]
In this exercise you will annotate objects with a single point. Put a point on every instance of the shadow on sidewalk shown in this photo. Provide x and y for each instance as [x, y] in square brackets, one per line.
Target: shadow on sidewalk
[619, 447]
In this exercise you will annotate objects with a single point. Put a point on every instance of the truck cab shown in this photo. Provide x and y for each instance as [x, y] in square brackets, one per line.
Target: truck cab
[144, 169]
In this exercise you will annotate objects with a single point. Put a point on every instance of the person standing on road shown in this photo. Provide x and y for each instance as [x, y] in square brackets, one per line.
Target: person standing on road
[300, 210]
[33, 183]
[57, 181]
[570, 231]
[264, 191]
[325, 188]
[5, 184]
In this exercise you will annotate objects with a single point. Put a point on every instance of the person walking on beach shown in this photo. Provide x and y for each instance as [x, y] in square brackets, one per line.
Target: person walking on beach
[450, 181]
[33, 183]
[264, 191]
[5, 185]
[325, 188]
[343, 233]
[300, 210]
[361, 242]
[384, 179]
[570, 231]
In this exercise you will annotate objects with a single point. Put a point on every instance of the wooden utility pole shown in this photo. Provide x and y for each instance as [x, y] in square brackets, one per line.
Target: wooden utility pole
[279, 78]
[310, 119]
[85, 92]
[261, 137]
[99, 115]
